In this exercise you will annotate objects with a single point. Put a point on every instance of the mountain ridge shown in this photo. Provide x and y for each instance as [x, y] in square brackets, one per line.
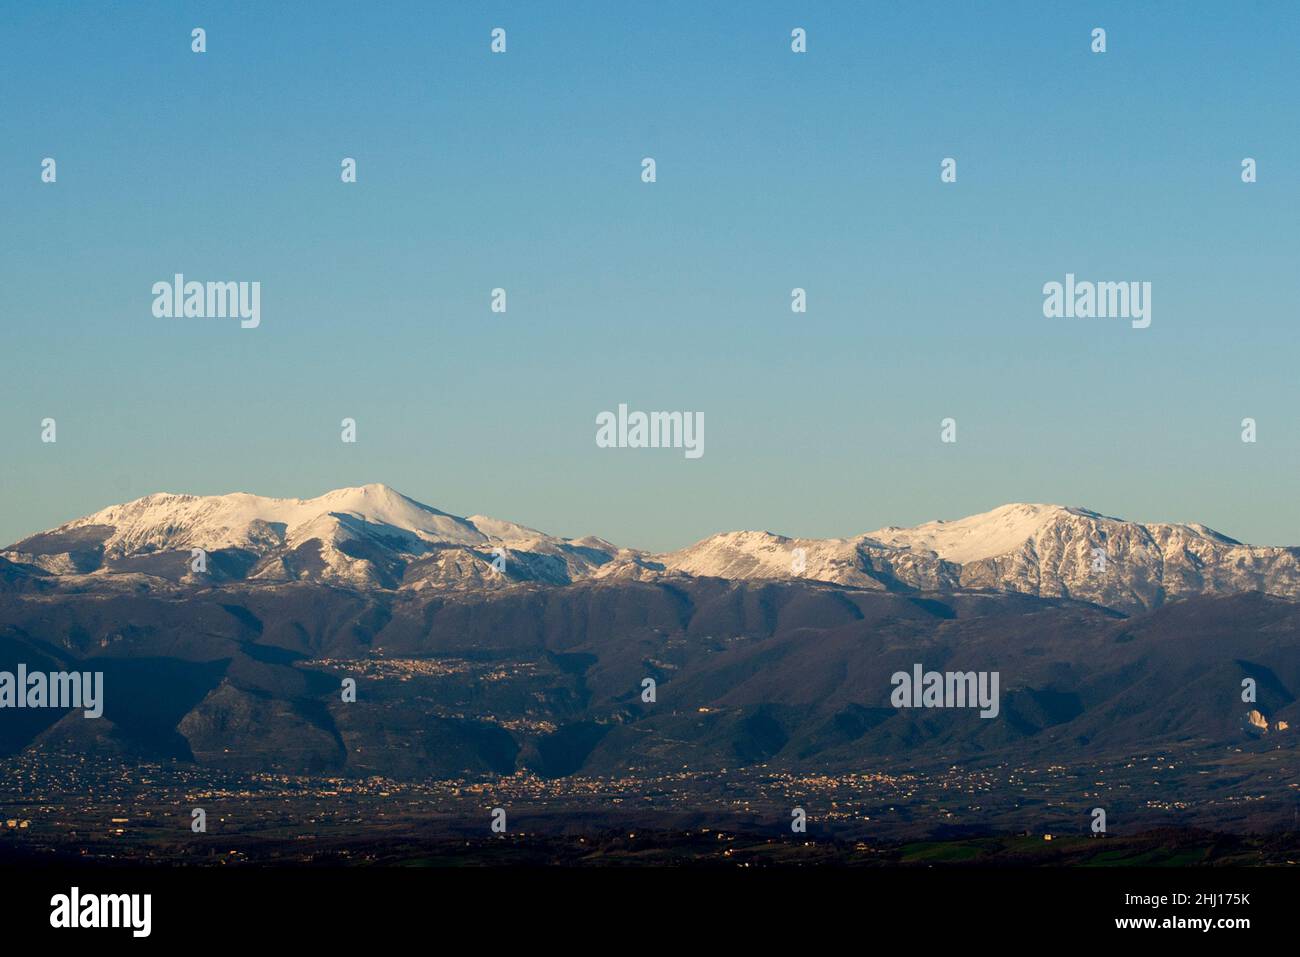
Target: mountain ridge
[372, 536]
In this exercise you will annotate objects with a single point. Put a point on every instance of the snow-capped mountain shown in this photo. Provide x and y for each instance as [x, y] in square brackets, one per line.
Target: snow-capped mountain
[366, 536]
[375, 537]
[1045, 550]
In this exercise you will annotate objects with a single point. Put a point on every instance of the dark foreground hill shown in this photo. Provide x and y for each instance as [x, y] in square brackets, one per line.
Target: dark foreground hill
[550, 679]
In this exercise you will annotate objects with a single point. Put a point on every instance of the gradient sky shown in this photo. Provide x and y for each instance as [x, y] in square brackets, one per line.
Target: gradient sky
[774, 171]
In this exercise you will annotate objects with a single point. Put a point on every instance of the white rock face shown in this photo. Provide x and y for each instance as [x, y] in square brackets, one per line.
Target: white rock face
[241, 520]
[1045, 550]
[373, 536]
[746, 555]
[366, 536]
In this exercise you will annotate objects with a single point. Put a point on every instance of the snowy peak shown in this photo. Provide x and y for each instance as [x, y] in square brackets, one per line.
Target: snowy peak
[1006, 529]
[374, 537]
[371, 535]
[1045, 550]
[240, 520]
[749, 555]
[986, 535]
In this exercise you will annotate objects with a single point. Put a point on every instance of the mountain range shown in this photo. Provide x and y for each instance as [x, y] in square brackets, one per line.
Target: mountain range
[372, 537]
[483, 647]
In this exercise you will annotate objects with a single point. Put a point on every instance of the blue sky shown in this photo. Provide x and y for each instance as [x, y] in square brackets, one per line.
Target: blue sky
[775, 170]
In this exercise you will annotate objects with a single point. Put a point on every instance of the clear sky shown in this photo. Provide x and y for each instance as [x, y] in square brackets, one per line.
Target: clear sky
[775, 170]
